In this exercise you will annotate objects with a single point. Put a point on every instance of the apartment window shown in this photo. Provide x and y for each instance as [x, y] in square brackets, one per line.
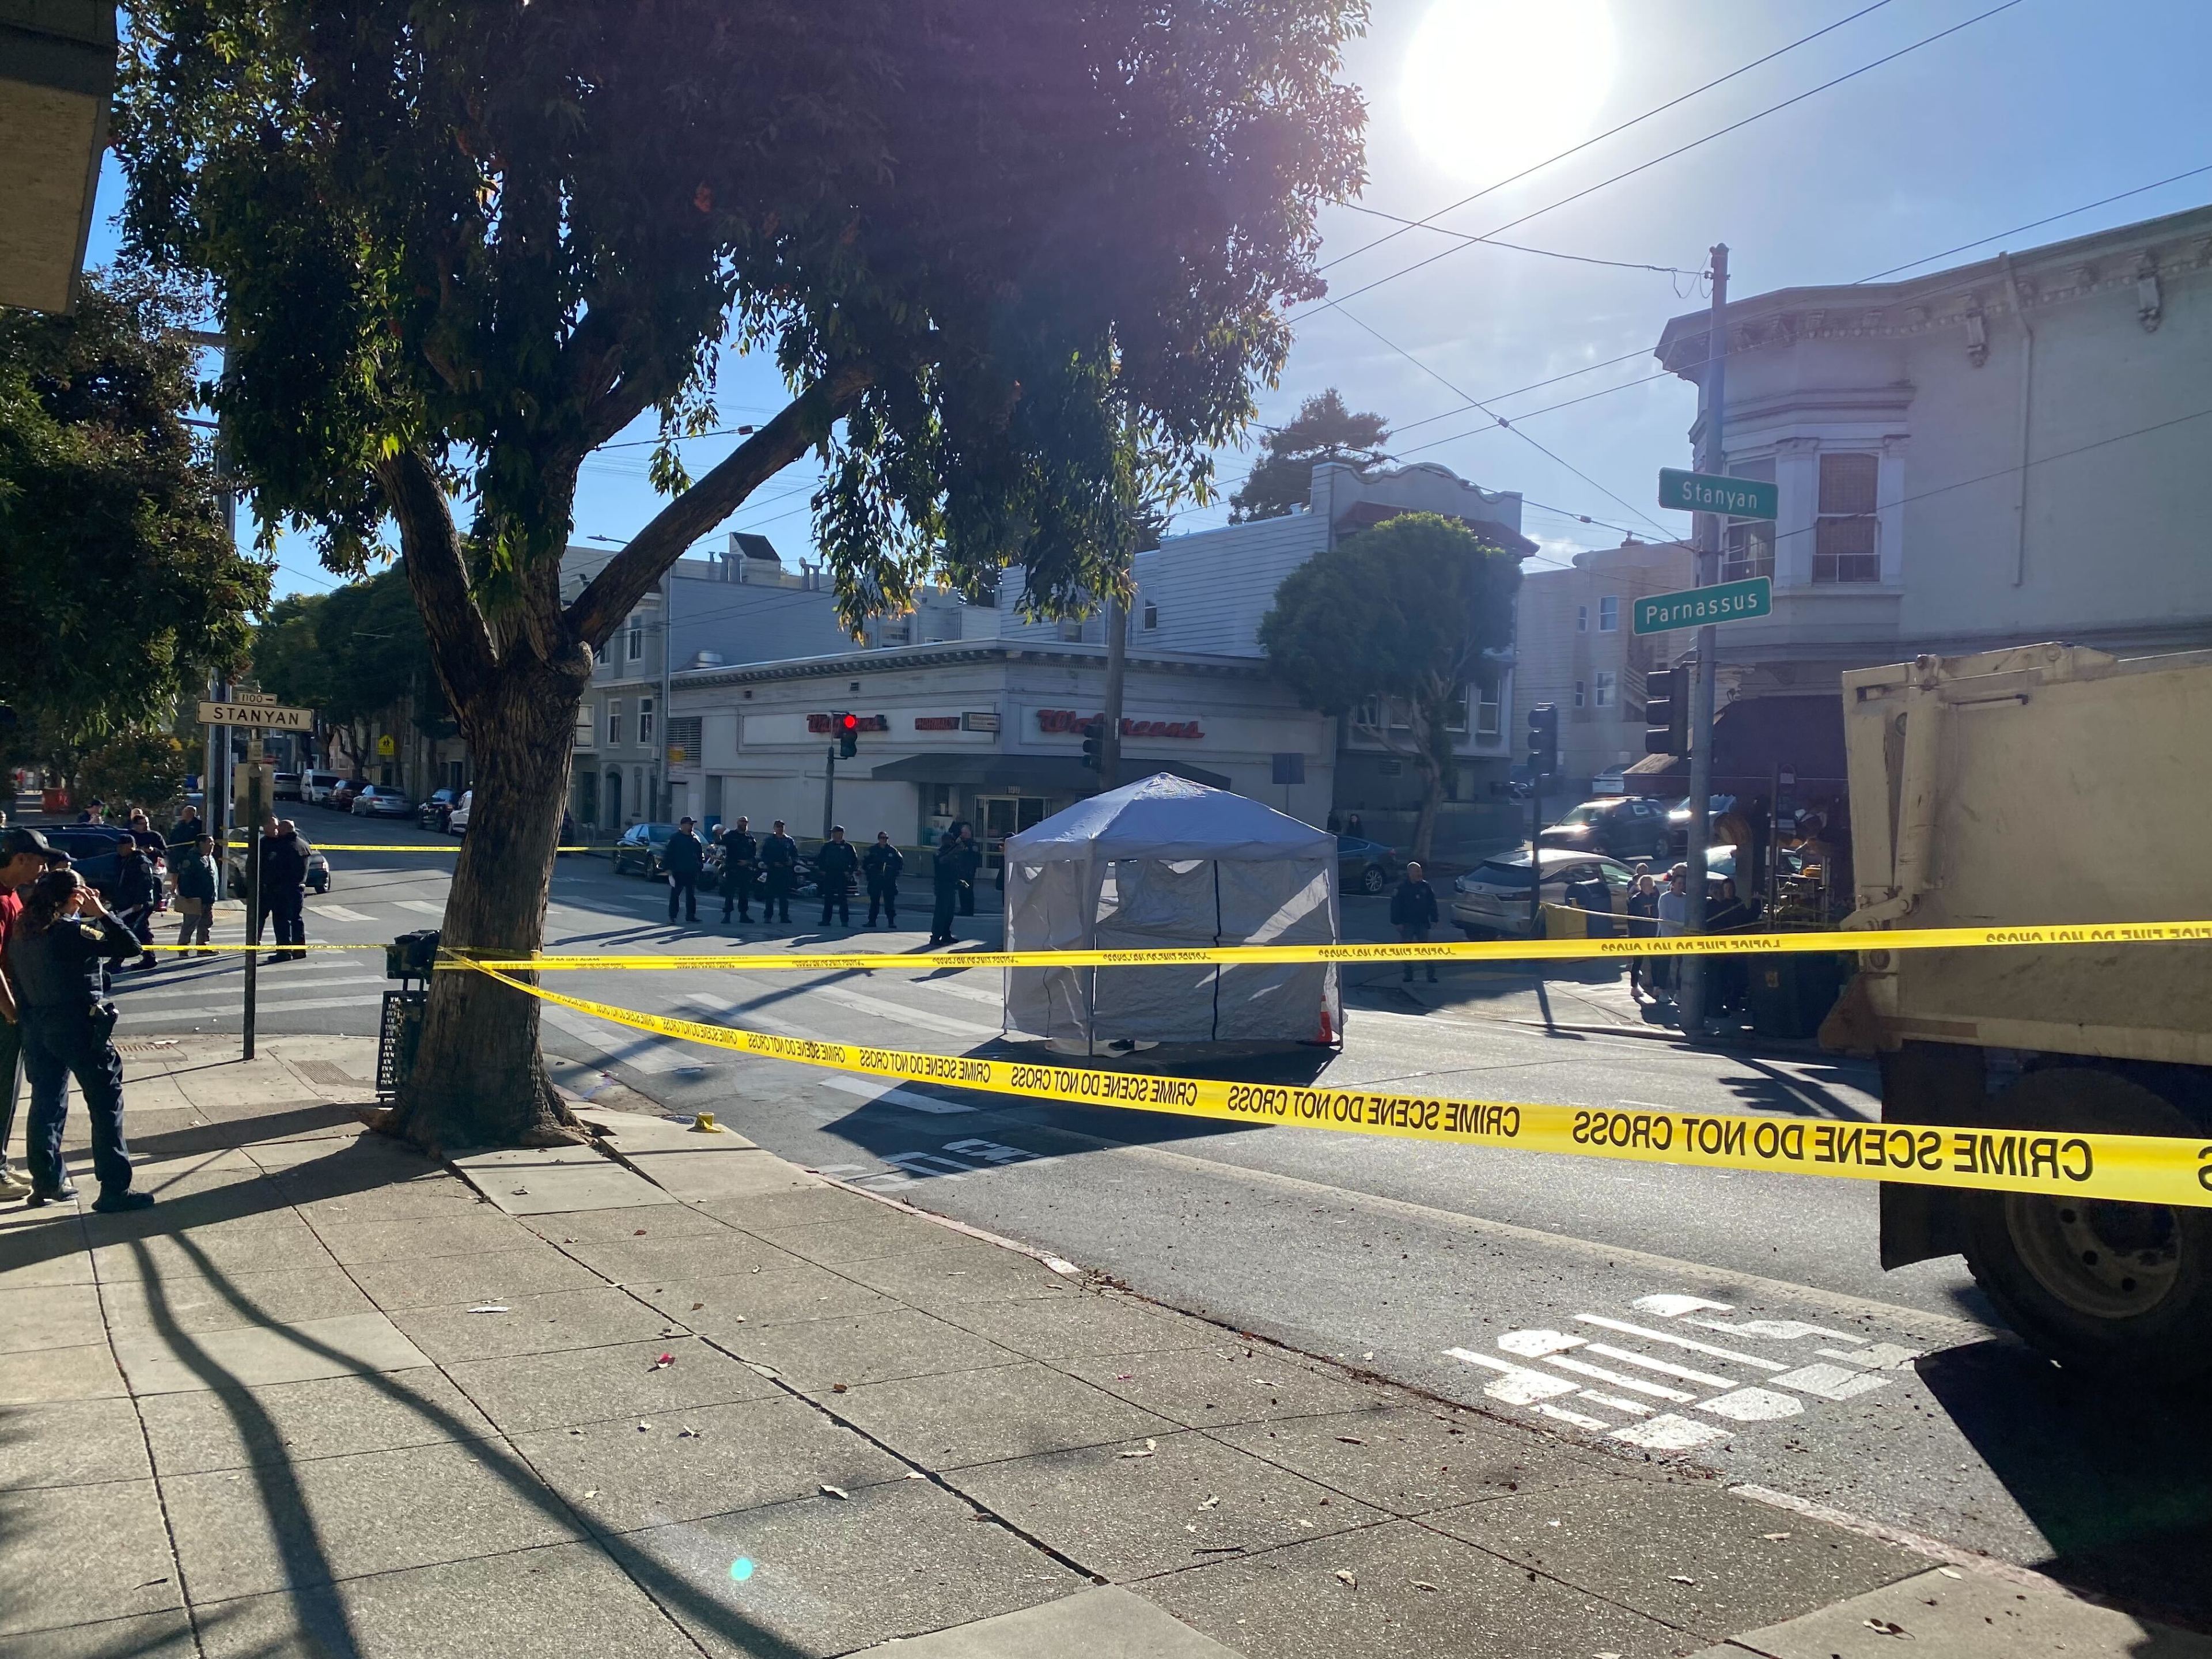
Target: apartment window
[1455, 718]
[1844, 549]
[600, 655]
[1581, 619]
[614, 722]
[1609, 614]
[1606, 685]
[1369, 714]
[1747, 545]
[645, 721]
[1580, 698]
[1486, 713]
[588, 725]
[637, 639]
[1152, 616]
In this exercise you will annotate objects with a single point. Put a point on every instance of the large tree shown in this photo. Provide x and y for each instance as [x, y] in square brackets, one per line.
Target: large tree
[1398, 620]
[118, 576]
[1281, 480]
[998, 250]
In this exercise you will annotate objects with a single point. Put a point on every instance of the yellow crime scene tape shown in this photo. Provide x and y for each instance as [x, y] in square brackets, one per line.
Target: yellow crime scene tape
[1509, 950]
[2140, 1169]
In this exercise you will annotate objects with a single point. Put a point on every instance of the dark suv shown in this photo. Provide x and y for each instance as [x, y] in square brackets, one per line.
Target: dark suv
[1624, 826]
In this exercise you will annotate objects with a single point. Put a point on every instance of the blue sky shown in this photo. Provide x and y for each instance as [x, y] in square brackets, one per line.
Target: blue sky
[2046, 106]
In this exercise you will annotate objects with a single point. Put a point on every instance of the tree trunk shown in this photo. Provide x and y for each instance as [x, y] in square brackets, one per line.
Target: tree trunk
[478, 1079]
[1425, 826]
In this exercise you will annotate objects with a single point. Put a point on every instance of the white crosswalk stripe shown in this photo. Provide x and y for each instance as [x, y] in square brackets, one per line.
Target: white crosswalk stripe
[645, 1054]
[423, 905]
[267, 1005]
[337, 912]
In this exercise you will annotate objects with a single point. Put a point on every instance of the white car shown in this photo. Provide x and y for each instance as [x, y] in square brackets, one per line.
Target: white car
[1492, 899]
[458, 820]
[316, 788]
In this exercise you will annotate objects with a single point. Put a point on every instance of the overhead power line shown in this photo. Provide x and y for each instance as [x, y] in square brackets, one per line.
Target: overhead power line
[1658, 109]
[1336, 300]
[2035, 224]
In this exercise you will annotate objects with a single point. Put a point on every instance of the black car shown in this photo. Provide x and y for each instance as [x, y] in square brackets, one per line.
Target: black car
[433, 813]
[639, 850]
[91, 848]
[1622, 826]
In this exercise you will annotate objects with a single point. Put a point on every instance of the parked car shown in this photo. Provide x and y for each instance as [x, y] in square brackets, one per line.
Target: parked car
[91, 848]
[381, 800]
[286, 786]
[1491, 899]
[640, 848]
[1363, 865]
[319, 872]
[341, 795]
[457, 821]
[1624, 826]
[1677, 819]
[432, 812]
[315, 787]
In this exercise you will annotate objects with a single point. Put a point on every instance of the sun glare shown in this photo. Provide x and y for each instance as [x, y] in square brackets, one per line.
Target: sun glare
[1494, 86]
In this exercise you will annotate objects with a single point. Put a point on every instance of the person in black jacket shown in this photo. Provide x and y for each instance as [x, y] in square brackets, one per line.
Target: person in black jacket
[741, 860]
[56, 947]
[683, 858]
[1413, 913]
[137, 892]
[957, 862]
[283, 896]
[779, 857]
[835, 866]
[185, 834]
[881, 864]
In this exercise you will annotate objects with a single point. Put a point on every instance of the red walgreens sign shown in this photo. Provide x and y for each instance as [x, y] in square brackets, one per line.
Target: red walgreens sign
[826, 725]
[1067, 719]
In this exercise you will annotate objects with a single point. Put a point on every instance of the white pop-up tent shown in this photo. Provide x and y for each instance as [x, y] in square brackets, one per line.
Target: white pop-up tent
[1161, 863]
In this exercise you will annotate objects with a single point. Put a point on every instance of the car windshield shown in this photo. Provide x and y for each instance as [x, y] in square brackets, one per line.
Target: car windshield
[1588, 812]
[654, 831]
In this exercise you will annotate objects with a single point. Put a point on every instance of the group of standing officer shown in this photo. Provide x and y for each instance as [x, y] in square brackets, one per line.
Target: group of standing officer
[735, 862]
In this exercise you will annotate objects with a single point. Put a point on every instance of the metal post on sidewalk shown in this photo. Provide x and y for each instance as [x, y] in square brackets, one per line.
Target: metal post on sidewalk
[253, 897]
[1712, 458]
[1117, 658]
[830, 790]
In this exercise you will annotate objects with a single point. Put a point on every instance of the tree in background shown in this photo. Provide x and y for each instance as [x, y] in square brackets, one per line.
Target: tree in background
[119, 580]
[356, 655]
[144, 766]
[1325, 430]
[1397, 618]
[997, 250]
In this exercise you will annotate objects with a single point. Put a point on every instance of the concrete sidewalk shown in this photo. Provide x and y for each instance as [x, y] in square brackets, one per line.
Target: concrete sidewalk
[673, 1396]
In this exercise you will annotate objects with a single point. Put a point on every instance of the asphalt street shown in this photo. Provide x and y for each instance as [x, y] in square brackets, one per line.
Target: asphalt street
[1736, 1319]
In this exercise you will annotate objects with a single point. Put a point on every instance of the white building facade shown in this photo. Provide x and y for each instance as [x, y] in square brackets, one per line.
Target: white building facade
[2015, 450]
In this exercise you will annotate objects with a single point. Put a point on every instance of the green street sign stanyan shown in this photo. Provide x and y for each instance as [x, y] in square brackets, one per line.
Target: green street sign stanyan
[1704, 492]
[1658, 613]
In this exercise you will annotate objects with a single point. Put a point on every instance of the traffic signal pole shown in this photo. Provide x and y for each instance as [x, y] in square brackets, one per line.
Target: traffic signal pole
[830, 790]
[1712, 458]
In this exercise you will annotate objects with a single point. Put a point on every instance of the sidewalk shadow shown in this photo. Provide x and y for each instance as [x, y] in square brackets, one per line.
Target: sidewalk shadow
[314, 1591]
[2119, 1480]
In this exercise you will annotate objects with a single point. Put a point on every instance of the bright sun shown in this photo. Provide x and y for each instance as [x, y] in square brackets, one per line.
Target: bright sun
[1495, 86]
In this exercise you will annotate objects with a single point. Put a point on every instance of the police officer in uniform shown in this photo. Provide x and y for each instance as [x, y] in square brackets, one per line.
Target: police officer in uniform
[740, 859]
[63, 938]
[881, 864]
[835, 866]
[779, 856]
[683, 858]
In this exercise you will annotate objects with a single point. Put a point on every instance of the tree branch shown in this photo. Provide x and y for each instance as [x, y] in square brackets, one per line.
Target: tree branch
[802, 423]
[460, 645]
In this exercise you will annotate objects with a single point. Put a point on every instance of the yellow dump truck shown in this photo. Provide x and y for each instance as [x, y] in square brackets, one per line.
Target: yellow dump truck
[2056, 784]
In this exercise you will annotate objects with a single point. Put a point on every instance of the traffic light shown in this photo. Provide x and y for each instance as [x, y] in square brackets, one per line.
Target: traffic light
[1543, 740]
[1667, 712]
[1094, 744]
[849, 736]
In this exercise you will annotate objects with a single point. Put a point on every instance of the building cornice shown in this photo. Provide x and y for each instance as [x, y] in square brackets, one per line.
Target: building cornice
[951, 652]
[2137, 259]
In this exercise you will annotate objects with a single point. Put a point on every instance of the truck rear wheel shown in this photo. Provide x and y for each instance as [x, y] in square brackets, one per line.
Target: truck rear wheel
[2108, 1286]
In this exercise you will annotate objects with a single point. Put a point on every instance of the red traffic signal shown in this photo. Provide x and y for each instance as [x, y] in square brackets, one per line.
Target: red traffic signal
[848, 723]
[849, 735]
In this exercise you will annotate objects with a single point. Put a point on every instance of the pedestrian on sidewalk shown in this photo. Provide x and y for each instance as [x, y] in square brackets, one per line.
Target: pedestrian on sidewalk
[24, 857]
[54, 950]
[137, 890]
[835, 866]
[194, 869]
[956, 863]
[1413, 913]
[283, 896]
[883, 863]
[1643, 923]
[1674, 913]
[779, 857]
[740, 859]
[683, 858]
